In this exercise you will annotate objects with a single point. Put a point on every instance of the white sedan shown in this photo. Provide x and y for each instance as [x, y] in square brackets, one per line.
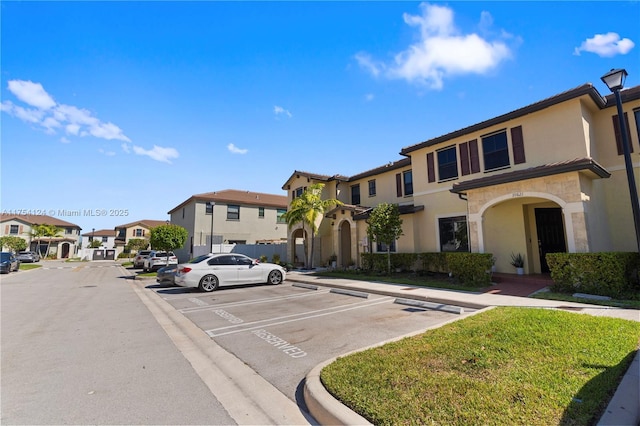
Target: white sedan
[209, 271]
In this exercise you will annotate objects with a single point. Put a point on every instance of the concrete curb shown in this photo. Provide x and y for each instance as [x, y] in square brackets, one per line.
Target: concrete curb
[623, 409]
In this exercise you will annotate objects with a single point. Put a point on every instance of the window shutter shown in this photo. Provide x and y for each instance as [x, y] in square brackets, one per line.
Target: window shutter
[616, 130]
[431, 171]
[473, 156]
[464, 158]
[399, 185]
[517, 143]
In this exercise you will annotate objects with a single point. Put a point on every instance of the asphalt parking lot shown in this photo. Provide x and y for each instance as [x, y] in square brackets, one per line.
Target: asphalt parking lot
[283, 331]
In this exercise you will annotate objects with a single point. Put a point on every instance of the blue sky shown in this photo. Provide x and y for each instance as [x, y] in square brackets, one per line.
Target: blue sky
[137, 106]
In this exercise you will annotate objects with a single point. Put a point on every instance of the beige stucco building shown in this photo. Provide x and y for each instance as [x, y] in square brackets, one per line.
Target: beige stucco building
[139, 229]
[230, 217]
[548, 177]
[63, 246]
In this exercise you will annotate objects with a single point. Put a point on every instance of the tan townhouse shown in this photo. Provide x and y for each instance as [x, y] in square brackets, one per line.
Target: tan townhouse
[230, 216]
[134, 230]
[548, 177]
[63, 245]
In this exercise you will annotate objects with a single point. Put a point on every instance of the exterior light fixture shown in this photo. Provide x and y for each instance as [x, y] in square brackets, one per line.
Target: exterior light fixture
[614, 80]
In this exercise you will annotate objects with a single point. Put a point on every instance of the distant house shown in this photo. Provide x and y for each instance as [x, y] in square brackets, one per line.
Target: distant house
[62, 246]
[230, 216]
[139, 229]
[106, 236]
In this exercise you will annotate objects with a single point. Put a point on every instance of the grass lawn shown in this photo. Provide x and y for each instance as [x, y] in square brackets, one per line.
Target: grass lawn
[405, 278]
[626, 303]
[27, 266]
[503, 366]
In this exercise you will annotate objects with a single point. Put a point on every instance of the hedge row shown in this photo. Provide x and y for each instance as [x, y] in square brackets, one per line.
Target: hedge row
[468, 268]
[612, 274]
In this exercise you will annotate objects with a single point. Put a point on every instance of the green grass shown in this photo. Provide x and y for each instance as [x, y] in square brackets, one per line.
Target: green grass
[127, 264]
[408, 278]
[28, 266]
[626, 303]
[503, 366]
[148, 274]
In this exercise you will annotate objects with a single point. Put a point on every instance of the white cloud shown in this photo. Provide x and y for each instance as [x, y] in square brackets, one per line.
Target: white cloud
[369, 97]
[64, 140]
[235, 150]
[441, 50]
[605, 45]
[278, 110]
[31, 93]
[107, 153]
[126, 148]
[158, 153]
[50, 115]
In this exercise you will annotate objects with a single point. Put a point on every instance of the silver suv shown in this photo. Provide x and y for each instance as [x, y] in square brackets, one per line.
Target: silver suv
[138, 261]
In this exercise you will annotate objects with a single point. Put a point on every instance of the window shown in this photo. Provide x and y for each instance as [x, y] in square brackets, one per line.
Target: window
[495, 151]
[233, 212]
[618, 134]
[297, 192]
[138, 232]
[208, 208]
[447, 163]
[355, 195]
[372, 188]
[14, 229]
[280, 214]
[261, 212]
[407, 179]
[222, 260]
[68, 231]
[382, 247]
[104, 239]
[453, 234]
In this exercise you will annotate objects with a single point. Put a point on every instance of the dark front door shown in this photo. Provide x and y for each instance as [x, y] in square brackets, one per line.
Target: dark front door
[550, 227]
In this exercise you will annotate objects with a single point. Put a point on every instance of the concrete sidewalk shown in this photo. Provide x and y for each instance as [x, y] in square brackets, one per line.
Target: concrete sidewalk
[623, 409]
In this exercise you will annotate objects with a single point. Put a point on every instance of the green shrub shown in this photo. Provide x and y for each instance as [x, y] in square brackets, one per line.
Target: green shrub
[610, 274]
[434, 262]
[263, 259]
[275, 258]
[378, 261]
[125, 255]
[470, 268]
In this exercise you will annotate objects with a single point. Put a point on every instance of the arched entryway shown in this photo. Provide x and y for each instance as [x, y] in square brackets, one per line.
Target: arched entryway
[529, 225]
[346, 258]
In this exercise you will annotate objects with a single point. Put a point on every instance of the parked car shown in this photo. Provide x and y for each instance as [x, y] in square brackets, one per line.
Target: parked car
[167, 274]
[28, 256]
[138, 261]
[157, 259]
[8, 262]
[209, 271]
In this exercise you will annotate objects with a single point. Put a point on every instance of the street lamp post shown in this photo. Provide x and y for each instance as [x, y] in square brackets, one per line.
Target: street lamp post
[614, 80]
[210, 205]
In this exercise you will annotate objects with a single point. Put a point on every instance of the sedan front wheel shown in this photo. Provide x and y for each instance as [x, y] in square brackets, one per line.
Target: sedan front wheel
[208, 283]
[275, 277]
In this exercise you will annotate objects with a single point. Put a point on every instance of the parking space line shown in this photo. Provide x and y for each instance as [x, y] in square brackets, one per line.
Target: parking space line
[251, 302]
[351, 307]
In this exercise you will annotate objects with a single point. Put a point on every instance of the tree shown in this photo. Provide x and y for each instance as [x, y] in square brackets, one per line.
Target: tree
[168, 237]
[95, 243]
[307, 208]
[47, 233]
[137, 244]
[13, 243]
[385, 226]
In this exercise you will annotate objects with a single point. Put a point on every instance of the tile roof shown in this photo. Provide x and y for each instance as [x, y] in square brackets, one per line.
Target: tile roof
[38, 220]
[579, 164]
[234, 196]
[147, 223]
[101, 233]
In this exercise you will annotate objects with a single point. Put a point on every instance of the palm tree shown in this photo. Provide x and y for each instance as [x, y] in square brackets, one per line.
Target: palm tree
[45, 232]
[307, 208]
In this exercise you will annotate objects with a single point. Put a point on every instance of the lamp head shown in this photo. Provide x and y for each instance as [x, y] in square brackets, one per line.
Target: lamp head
[614, 79]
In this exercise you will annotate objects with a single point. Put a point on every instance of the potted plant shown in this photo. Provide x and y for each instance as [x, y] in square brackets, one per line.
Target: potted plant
[518, 262]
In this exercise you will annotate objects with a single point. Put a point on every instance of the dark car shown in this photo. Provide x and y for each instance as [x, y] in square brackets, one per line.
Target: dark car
[28, 257]
[138, 261]
[167, 274]
[8, 262]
